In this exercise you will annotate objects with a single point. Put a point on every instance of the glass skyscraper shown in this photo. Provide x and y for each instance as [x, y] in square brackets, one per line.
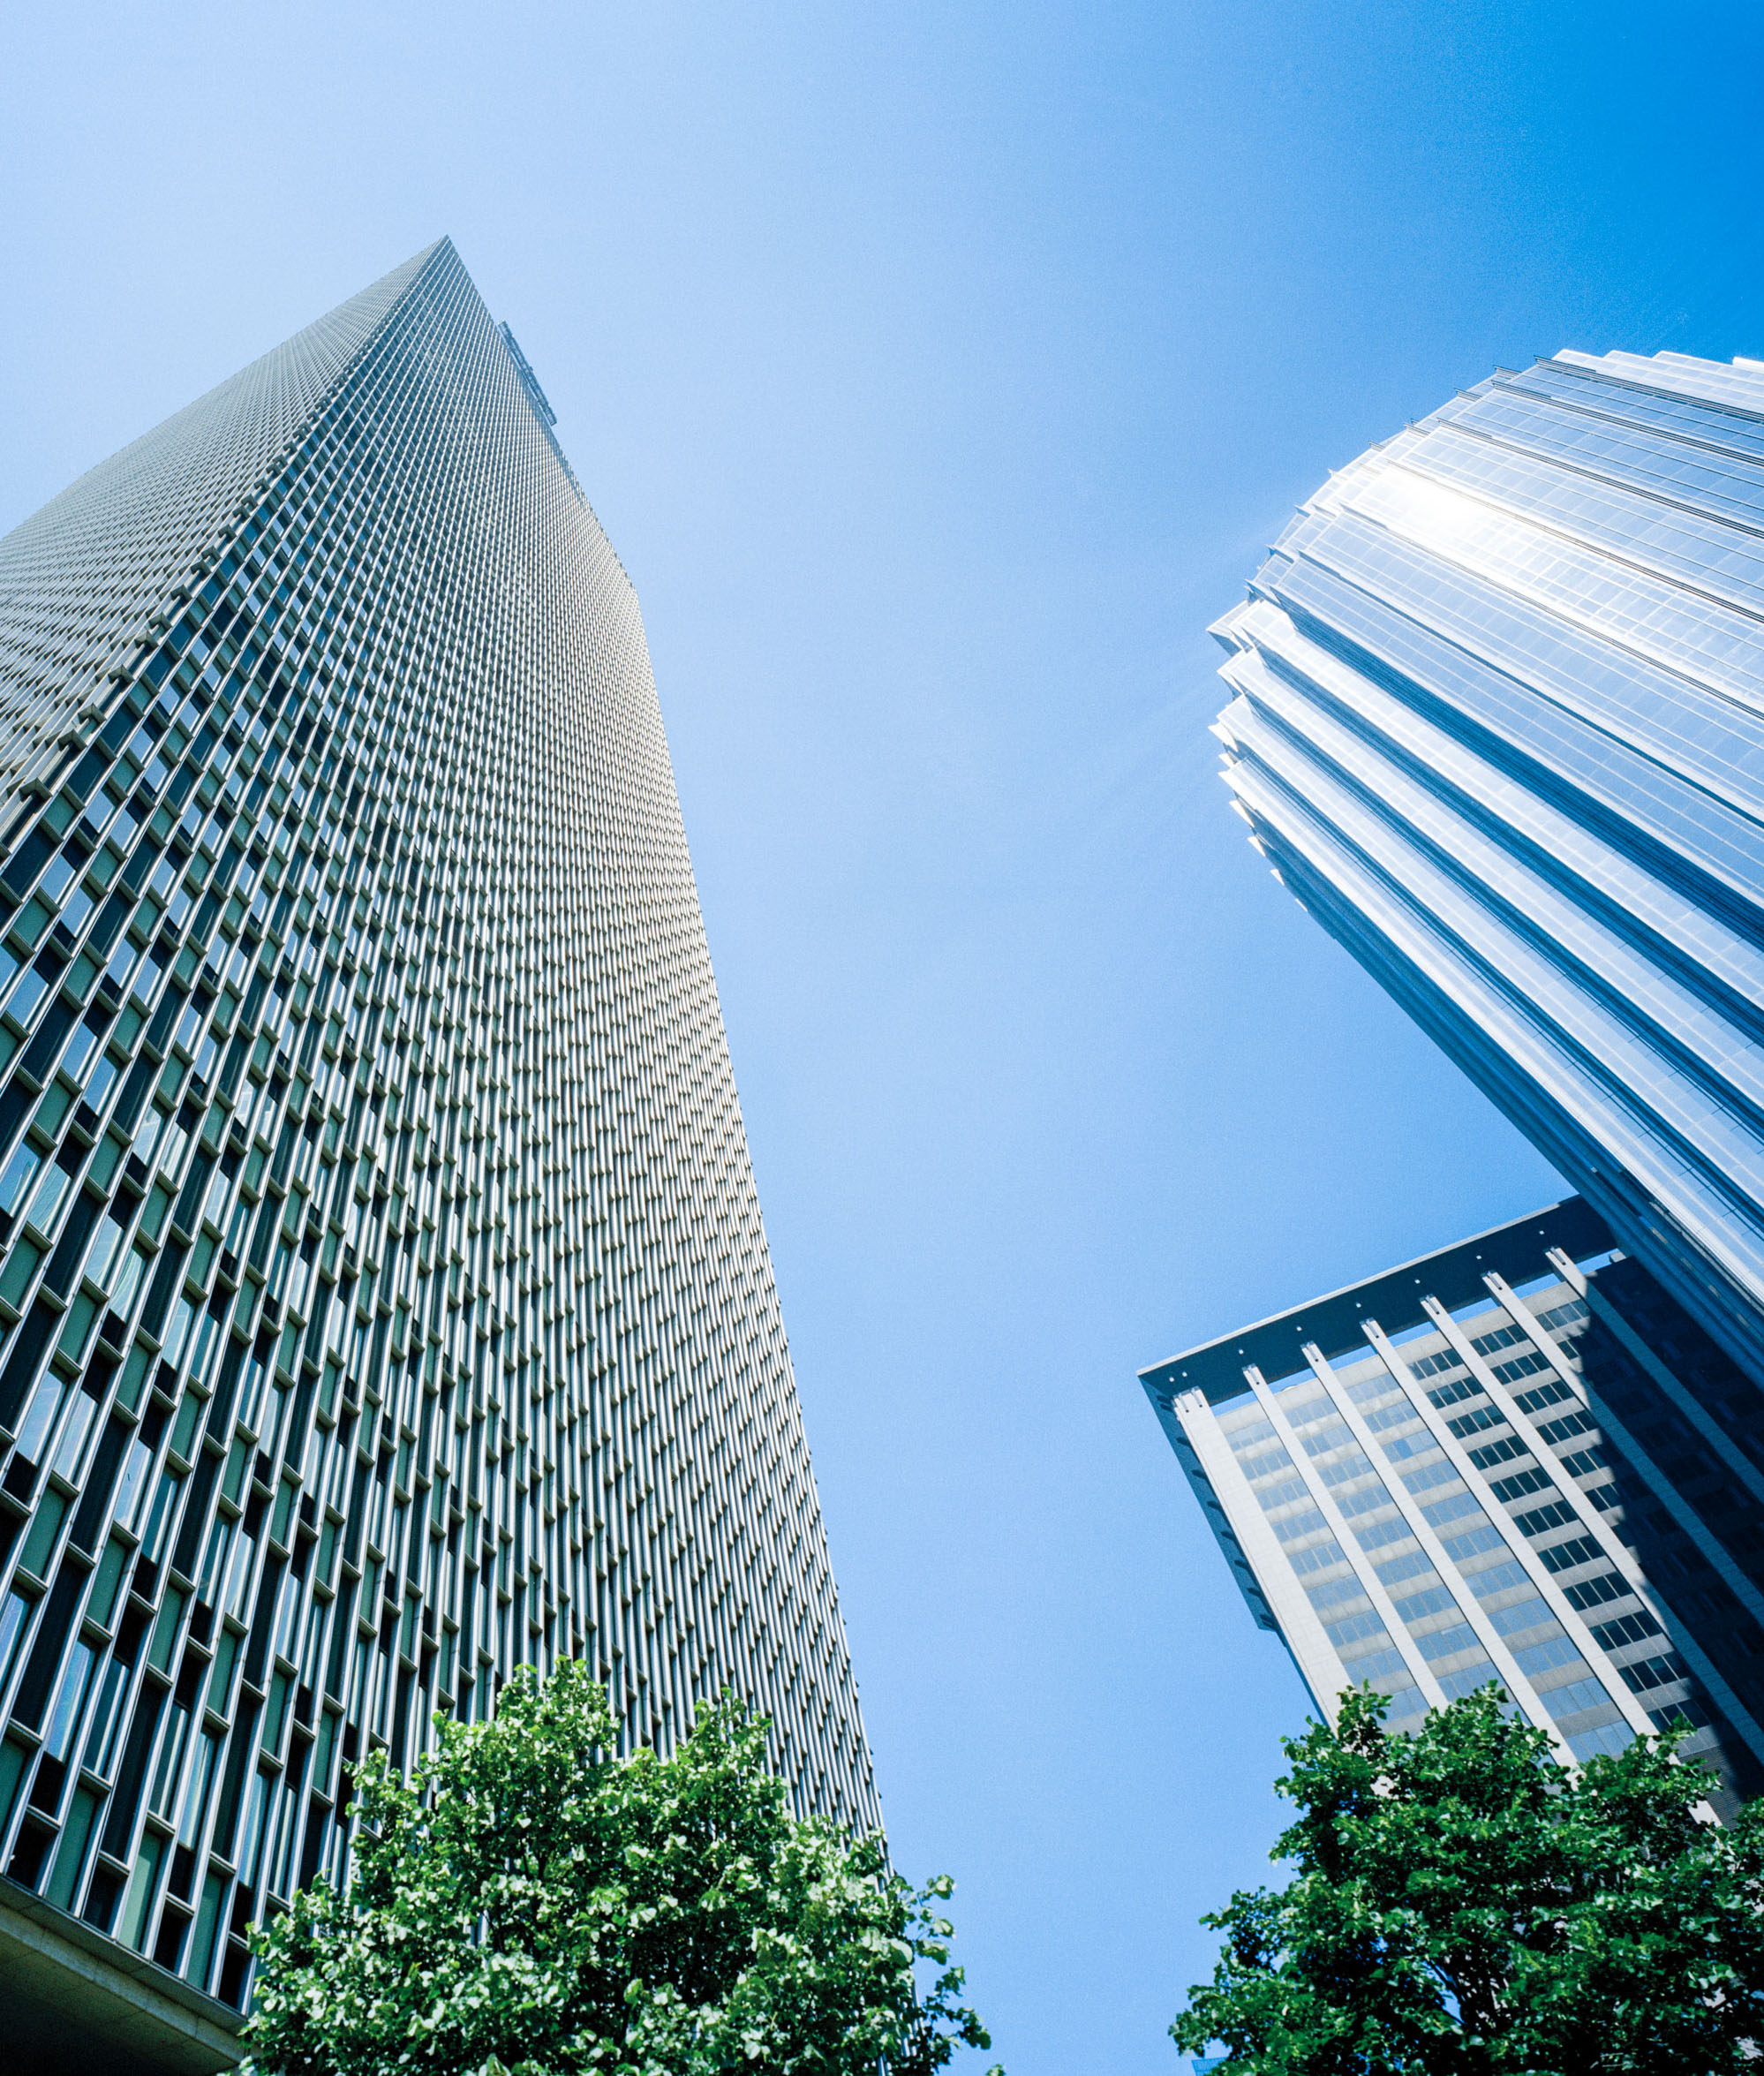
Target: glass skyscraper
[384, 1302]
[1498, 723]
[1506, 1462]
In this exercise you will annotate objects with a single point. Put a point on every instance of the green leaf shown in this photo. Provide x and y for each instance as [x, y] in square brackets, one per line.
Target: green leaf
[530, 1904]
[1459, 1903]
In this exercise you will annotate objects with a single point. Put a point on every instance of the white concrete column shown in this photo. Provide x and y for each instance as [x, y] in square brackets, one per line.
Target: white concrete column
[1373, 1586]
[1553, 1351]
[1611, 1544]
[1694, 1413]
[1307, 1639]
[1536, 1570]
[1492, 1641]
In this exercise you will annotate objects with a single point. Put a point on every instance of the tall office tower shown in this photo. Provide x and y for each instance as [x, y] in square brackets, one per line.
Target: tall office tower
[1499, 723]
[1506, 1461]
[385, 1300]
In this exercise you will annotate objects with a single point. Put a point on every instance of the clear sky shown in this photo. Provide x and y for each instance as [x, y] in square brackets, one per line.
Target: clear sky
[939, 371]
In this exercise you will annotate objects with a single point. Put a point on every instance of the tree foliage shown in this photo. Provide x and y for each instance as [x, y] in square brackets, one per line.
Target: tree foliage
[529, 1902]
[1463, 1906]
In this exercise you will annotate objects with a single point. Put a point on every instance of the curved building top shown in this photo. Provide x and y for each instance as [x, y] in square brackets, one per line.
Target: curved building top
[1497, 722]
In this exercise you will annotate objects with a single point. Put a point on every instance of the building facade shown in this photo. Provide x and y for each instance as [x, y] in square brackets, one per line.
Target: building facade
[384, 1302]
[1497, 720]
[1517, 1460]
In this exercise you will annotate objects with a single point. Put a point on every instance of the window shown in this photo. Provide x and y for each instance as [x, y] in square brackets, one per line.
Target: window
[1630, 1629]
[1570, 1424]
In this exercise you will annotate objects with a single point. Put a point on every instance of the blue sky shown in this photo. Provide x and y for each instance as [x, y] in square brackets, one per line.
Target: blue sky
[939, 372]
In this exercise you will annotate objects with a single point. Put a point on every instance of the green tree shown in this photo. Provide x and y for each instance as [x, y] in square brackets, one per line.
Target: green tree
[1461, 1906]
[530, 1902]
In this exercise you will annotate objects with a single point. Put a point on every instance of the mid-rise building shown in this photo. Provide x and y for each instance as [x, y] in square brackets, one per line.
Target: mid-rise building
[1497, 720]
[1516, 1461]
[384, 1302]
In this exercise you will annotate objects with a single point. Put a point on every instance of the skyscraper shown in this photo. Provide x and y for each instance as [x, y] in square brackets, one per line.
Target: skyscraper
[1498, 723]
[1508, 1462]
[384, 1302]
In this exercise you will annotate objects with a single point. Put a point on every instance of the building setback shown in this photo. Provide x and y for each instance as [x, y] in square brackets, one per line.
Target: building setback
[384, 1302]
[1498, 723]
[1513, 1461]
